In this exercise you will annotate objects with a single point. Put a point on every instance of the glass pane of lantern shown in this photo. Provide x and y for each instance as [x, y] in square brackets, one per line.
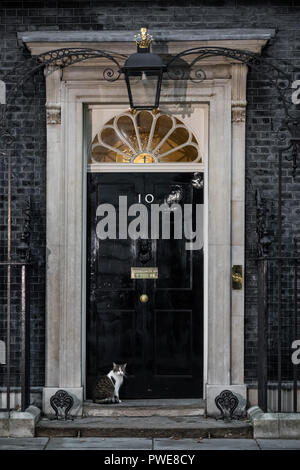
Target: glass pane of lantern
[143, 89]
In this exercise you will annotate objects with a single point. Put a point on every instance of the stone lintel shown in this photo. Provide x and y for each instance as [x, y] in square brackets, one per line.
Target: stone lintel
[158, 35]
[123, 41]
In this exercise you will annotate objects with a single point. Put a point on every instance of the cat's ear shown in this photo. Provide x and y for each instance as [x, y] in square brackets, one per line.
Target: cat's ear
[124, 366]
[114, 365]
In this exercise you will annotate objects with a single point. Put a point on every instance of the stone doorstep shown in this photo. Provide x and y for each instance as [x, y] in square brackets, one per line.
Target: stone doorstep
[156, 426]
[19, 423]
[140, 408]
[274, 425]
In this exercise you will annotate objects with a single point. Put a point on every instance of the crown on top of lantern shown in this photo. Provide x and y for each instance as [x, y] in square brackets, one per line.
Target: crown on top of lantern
[143, 39]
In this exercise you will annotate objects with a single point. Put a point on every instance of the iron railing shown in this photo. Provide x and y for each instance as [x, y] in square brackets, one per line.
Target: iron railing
[14, 300]
[15, 333]
[278, 329]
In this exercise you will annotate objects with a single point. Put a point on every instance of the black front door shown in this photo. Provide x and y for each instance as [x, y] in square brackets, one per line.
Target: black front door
[161, 339]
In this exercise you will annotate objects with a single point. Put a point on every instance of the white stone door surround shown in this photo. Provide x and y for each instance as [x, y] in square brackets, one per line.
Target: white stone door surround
[224, 93]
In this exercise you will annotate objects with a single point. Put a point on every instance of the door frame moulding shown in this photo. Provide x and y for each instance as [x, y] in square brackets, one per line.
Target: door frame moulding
[225, 94]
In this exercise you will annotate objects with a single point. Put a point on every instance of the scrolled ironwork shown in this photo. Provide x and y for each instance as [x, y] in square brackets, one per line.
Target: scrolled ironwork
[23, 248]
[227, 403]
[178, 72]
[6, 137]
[264, 239]
[197, 75]
[276, 77]
[249, 58]
[65, 57]
[293, 156]
[53, 59]
[111, 75]
[63, 400]
[185, 72]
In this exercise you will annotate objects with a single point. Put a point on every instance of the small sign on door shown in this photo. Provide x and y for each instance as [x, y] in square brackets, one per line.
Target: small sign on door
[144, 273]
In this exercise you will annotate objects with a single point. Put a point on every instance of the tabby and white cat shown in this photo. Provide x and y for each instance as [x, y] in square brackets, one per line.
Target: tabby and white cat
[108, 386]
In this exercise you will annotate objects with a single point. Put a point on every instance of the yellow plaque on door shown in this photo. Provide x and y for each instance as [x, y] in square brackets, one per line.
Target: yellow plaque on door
[144, 273]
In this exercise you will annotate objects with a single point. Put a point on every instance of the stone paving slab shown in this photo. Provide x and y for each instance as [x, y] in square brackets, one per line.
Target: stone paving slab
[23, 443]
[205, 444]
[157, 444]
[279, 444]
[98, 443]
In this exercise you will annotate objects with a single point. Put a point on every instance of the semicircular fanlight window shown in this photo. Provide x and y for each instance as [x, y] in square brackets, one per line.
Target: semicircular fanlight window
[144, 137]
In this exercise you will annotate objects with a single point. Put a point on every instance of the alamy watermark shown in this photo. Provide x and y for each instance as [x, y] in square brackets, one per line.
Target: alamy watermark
[152, 221]
[296, 343]
[296, 353]
[296, 93]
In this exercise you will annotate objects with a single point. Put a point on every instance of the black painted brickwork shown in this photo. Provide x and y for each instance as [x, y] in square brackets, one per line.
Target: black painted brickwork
[28, 123]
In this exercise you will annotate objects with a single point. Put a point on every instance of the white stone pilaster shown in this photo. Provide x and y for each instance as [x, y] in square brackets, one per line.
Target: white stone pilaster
[70, 372]
[239, 77]
[219, 233]
[55, 184]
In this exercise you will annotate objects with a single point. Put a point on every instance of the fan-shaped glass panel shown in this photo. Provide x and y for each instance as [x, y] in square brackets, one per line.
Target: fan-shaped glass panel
[144, 137]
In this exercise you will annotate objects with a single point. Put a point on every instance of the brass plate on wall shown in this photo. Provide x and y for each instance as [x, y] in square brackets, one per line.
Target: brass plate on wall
[237, 277]
[144, 273]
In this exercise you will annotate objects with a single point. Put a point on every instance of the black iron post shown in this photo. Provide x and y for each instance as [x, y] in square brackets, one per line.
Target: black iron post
[23, 251]
[8, 316]
[262, 334]
[295, 326]
[25, 335]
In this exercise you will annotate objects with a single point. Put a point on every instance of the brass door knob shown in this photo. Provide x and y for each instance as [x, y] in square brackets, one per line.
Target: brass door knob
[144, 298]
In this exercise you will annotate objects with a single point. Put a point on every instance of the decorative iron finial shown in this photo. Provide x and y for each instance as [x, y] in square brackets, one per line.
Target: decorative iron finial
[143, 39]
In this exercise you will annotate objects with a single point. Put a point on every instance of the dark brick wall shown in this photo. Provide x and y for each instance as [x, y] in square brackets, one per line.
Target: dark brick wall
[28, 122]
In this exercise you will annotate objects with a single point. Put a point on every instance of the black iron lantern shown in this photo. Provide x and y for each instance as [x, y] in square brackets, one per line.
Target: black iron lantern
[143, 74]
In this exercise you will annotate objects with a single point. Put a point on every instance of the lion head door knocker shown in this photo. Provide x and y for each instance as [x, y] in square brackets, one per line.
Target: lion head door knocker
[227, 403]
[61, 399]
[144, 250]
[175, 195]
[198, 181]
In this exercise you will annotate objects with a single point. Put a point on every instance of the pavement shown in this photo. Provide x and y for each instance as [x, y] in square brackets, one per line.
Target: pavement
[148, 444]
